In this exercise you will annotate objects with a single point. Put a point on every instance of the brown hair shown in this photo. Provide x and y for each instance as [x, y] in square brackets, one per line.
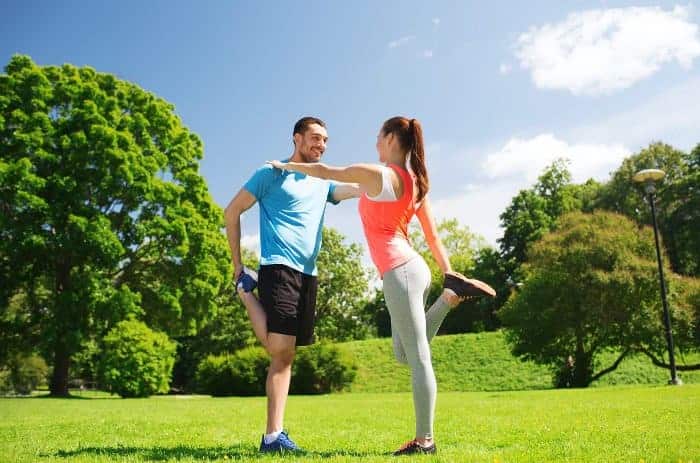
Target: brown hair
[303, 124]
[410, 136]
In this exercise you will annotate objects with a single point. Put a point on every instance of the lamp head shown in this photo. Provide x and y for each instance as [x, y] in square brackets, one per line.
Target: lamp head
[649, 175]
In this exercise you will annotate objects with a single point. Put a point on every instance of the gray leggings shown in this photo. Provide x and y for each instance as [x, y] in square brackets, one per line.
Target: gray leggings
[405, 291]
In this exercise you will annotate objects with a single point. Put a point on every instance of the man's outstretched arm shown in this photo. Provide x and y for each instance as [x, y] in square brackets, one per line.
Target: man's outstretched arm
[345, 191]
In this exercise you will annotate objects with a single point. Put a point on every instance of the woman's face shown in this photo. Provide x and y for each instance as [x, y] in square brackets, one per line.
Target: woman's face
[383, 146]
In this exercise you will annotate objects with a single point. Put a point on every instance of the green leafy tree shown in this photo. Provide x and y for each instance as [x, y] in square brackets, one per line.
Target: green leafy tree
[681, 225]
[460, 243]
[229, 331]
[678, 200]
[137, 361]
[342, 290]
[480, 314]
[465, 250]
[104, 212]
[534, 212]
[378, 312]
[18, 330]
[591, 285]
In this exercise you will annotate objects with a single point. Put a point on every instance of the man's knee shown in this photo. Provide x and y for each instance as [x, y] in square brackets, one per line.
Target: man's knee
[281, 354]
[281, 348]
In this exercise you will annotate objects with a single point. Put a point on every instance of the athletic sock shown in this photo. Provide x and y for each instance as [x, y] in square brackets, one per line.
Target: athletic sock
[270, 438]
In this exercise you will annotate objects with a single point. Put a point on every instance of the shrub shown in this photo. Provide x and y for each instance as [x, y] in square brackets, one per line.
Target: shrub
[318, 369]
[241, 373]
[321, 369]
[5, 383]
[137, 361]
[23, 374]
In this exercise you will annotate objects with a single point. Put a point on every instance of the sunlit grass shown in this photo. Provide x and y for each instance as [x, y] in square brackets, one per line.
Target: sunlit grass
[483, 362]
[650, 424]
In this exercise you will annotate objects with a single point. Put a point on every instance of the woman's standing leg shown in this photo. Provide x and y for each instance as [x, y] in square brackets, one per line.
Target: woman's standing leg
[404, 289]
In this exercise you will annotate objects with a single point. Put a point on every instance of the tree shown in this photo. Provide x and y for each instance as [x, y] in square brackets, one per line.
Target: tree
[460, 243]
[678, 201]
[342, 290]
[534, 212]
[480, 314]
[681, 226]
[591, 285]
[469, 255]
[105, 214]
[228, 332]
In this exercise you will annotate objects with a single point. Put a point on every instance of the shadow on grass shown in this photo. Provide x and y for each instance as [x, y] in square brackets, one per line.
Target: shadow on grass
[64, 397]
[198, 453]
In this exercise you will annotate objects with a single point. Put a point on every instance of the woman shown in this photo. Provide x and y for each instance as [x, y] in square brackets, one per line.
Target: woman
[392, 194]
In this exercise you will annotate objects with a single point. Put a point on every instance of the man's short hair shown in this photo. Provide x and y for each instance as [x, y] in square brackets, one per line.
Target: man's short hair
[303, 124]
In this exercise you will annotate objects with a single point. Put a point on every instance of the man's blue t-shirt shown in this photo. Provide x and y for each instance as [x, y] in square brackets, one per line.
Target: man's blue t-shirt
[291, 216]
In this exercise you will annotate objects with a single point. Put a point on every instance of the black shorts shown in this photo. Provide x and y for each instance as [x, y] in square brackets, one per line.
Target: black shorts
[289, 299]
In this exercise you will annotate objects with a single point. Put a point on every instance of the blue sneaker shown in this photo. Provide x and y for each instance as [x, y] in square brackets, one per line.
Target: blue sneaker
[282, 444]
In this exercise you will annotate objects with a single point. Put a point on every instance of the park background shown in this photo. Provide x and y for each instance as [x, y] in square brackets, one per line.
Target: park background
[126, 127]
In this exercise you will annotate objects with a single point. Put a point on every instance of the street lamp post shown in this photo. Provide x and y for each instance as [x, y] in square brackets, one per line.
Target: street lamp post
[648, 177]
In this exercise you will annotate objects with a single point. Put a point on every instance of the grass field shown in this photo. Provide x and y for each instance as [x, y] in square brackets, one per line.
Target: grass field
[606, 424]
[483, 362]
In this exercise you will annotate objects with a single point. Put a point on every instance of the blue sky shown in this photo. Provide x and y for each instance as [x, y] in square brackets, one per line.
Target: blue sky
[502, 88]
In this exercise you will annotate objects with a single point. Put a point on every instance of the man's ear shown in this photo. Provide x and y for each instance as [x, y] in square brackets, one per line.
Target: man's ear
[297, 139]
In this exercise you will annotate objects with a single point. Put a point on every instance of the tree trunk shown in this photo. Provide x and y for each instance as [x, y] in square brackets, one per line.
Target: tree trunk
[61, 361]
[583, 370]
[61, 364]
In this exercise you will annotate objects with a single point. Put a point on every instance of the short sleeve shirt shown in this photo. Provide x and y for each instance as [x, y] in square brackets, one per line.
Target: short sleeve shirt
[292, 207]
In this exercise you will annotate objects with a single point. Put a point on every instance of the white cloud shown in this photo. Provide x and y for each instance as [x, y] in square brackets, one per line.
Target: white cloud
[601, 51]
[595, 149]
[402, 41]
[668, 116]
[251, 242]
[428, 54]
[505, 68]
[477, 207]
[513, 167]
[436, 21]
[526, 158]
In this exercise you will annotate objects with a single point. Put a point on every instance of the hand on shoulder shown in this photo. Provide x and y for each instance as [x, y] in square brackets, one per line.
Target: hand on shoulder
[277, 164]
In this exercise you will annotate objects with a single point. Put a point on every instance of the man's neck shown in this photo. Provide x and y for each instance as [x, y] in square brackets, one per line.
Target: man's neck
[296, 157]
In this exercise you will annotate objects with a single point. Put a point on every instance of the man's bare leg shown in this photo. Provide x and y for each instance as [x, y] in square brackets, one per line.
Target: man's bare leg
[282, 350]
[257, 316]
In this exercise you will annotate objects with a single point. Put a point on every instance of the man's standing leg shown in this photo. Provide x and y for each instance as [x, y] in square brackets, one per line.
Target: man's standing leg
[279, 290]
[281, 349]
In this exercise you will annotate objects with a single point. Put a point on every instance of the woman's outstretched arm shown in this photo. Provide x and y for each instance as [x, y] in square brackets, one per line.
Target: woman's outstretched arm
[367, 176]
[432, 237]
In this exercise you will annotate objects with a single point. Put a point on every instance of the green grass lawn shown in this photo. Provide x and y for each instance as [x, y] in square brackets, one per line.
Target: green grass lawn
[483, 362]
[605, 424]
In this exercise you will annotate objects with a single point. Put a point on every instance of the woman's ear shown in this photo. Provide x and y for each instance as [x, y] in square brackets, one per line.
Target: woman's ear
[390, 139]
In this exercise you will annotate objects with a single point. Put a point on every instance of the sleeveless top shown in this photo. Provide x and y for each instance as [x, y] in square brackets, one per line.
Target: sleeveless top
[385, 224]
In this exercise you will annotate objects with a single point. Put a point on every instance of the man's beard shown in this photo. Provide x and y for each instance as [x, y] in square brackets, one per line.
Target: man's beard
[308, 156]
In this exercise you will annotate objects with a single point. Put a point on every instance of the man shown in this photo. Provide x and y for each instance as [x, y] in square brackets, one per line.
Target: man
[292, 207]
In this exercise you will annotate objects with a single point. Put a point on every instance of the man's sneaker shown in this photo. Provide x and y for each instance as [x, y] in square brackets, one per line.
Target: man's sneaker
[466, 287]
[281, 445]
[247, 280]
[413, 448]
